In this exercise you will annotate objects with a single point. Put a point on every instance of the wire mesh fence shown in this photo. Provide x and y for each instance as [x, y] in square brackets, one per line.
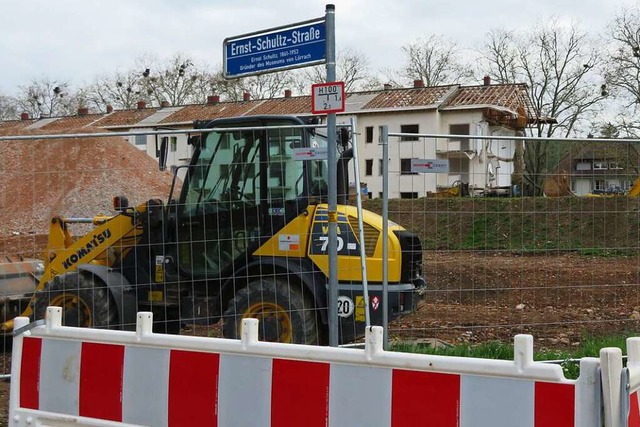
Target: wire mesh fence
[522, 235]
[517, 235]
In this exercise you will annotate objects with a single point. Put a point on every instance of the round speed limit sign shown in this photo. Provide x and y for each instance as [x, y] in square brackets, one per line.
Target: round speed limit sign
[345, 306]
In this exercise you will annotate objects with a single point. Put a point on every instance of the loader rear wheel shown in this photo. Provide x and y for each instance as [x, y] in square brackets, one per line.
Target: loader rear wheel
[85, 301]
[285, 314]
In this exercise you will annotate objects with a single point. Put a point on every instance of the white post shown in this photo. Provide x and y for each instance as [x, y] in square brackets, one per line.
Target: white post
[363, 253]
[611, 371]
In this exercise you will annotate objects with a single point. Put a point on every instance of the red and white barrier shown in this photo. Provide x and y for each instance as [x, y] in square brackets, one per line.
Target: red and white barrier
[108, 378]
[621, 385]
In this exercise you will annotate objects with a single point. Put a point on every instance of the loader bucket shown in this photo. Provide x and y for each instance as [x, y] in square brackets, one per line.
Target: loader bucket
[18, 281]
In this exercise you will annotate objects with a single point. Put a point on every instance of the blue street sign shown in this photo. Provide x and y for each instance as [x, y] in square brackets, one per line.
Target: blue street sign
[276, 49]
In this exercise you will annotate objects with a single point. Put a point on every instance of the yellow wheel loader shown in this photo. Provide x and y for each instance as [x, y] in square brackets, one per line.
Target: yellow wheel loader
[245, 237]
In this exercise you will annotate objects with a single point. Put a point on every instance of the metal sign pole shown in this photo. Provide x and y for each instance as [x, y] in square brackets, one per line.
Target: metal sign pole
[384, 140]
[333, 181]
[363, 255]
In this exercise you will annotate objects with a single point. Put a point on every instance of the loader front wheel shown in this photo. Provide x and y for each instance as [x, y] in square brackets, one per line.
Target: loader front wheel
[285, 314]
[85, 301]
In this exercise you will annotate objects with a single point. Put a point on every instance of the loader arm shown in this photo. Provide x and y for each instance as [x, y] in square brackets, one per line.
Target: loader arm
[63, 255]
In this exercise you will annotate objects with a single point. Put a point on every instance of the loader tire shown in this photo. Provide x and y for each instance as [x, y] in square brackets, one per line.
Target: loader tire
[285, 314]
[85, 301]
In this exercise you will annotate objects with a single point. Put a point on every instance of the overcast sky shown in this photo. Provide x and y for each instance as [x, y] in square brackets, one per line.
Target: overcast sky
[77, 40]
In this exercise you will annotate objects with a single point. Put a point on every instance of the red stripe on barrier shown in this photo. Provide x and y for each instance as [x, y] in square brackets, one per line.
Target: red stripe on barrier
[193, 388]
[101, 370]
[30, 373]
[299, 393]
[554, 404]
[424, 399]
[634, 410]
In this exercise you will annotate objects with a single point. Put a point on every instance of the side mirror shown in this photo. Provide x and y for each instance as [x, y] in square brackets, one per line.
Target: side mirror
[162, 154]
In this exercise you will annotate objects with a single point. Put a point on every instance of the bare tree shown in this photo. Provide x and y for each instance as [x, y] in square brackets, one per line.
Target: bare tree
[352, 68]
[120, 90]
[174, 81]
[500, 57]
[560, 66]
[623, 66]
[436, 61]
[46, 98]
[262, 86]
[8, 108]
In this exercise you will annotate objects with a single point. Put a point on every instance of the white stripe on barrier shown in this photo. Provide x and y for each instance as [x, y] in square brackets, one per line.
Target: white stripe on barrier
[479, 395]
[148, 379]
[59, 387]
[145, 385]
[359, 387]
[244, 391]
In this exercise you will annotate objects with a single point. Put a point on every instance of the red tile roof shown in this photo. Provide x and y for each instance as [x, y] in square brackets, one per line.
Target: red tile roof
[70, 122]
[509, 96]
[284, 106]
[506, 98]
[210, 111]
[125, 117]
[14, 125]
[414, 97]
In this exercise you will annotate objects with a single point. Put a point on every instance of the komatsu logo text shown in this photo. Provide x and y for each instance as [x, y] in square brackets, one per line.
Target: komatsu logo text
[98, 239]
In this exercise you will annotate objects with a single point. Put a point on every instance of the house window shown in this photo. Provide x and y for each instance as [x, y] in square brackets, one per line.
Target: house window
[599, 165]
[615, 165]
[460, 129]
[380, 167]
[405, 167]
[368, 167]
[573, 185]
[583, 166]
[368, 134]
[173, 143]
[141, 140]
[408, 195]
[409, 129]
[599, 184]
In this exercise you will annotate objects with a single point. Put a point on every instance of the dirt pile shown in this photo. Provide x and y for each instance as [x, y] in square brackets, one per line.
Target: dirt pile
[73, 178]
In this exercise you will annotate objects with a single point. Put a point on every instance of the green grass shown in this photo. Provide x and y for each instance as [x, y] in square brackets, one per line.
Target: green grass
[589, 226]
[589, 347]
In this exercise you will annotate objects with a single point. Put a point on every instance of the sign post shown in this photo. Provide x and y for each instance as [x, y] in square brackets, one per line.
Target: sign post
[332, 211]
[292, 46]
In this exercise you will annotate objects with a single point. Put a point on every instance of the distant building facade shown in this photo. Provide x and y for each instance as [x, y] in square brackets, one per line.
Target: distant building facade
[487, 110]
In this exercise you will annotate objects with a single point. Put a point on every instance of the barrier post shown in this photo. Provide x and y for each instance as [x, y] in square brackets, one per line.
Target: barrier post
[611, 372]
[631, 409]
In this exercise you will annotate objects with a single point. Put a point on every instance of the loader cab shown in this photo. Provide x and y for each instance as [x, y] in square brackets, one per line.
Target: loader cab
[243, 184]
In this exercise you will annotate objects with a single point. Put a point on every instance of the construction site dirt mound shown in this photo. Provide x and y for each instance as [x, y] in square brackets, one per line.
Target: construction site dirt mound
[72, 177]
